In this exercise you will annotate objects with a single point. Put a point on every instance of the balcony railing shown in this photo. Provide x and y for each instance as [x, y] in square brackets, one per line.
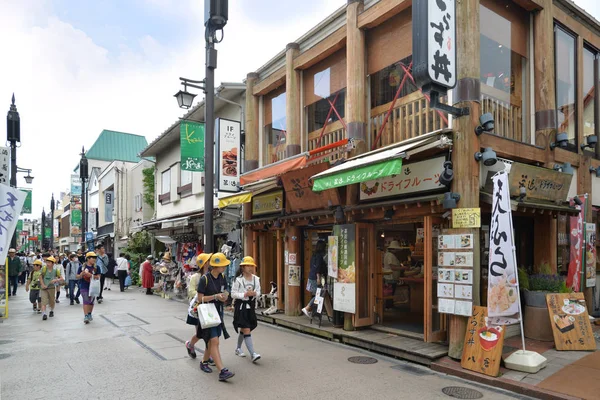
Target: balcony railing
[334, 133]
[410, 117]
[508, 116]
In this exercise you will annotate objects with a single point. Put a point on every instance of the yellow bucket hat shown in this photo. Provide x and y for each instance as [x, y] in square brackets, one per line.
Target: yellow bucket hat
[37, 262]
[248, 261]
[202, 259]
[90, 254]
[219, 260]
[51, 259]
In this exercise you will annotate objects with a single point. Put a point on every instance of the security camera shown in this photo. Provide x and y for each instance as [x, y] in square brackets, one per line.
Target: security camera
[486, 124]
[562, 141]
[488, 157]
[447, 175]
[591, 142]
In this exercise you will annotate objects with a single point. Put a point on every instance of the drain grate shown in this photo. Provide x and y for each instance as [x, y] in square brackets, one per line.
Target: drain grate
[362, 360]
[462, 392]
[4, 355]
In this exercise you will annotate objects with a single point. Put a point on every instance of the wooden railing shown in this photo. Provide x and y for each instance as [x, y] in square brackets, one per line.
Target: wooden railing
[410, 117]
[333, 133]
[508, 116]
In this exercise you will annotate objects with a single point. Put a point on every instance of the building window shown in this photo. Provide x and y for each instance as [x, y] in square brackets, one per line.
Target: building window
[138, 202]
[185, 177]
[274, 127]
[165, 182]
[327, 110]
[565, 65]
[589, 91]
[386, 82]
[504, 69]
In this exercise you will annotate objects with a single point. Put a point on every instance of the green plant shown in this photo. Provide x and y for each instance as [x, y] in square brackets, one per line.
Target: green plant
[545, 269]
[546, 283]
[523, 279]
[149, 186]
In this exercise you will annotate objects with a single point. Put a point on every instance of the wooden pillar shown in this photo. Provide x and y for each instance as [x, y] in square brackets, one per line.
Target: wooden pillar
[292, 293]
[544, 93]
[280, 266]
[292, 101]
[584, 186]
[544, 242]
[466, 182]
[248, 246]
[251, 125]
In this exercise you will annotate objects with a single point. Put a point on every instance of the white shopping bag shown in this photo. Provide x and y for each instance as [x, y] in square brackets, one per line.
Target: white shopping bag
[208, 315]
[94, 288]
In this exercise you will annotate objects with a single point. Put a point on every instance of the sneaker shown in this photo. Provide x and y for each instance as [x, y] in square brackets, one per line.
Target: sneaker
[239, 353]
[90, 317]
[190, 350]
[225, 374]
[34, 308]
[204, 367]
[51, 313]
[57, 300]
[45, 317]
[305, 312]
[86, 320]
[211, 362]
[255, 357]
[72, 303]
[39, 311]
[77, 301]
[99, 301]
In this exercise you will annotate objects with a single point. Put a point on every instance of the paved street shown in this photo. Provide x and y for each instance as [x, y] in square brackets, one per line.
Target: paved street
[133, 350]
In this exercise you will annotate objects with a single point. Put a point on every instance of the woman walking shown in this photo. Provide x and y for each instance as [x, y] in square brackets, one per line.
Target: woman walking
[245, 291]
[71, 276]
[201, 261]
[211, 289]
[86, 273]
[122, 270]
[49, 279]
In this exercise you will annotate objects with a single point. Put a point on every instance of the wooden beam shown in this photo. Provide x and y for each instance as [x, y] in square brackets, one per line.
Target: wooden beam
[293, 108]
[530, 5]
[562, 156]
[251, 150]
[326, 47]
[512, 149]
[271, 82]
[381, 11]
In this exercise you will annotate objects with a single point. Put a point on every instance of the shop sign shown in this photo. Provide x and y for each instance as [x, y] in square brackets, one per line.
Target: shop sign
[570, 322]
[299, 193]
[228, 146]
[4, 165]
[192, 146]
[27, 204]
[590, 255]
[76, 222]
[540, 183]
[33, 238]
[108, 206]
[359, 174]
[466, 218]
[344, 297]
[482, 351]
[576, 251]
[434, 44]
[422, 176]
[503, 284]
[269, 203]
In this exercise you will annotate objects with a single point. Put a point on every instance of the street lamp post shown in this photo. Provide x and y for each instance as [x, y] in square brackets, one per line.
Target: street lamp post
[43, 227]
[215, 19]
[52, 205]
[13, 136]
[83, 174]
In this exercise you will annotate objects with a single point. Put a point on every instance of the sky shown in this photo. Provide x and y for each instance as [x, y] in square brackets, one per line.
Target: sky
[77, 67]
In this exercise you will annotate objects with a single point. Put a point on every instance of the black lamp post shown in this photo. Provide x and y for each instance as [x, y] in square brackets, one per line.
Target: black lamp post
[43, 227]
[83, 175]
[13, 135]
[52, 205]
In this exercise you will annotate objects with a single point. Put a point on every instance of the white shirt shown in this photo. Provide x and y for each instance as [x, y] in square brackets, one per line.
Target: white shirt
[122, 264]
[388, 260]
[241, 286]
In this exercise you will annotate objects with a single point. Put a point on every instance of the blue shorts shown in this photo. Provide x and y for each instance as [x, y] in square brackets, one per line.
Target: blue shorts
[209, 333]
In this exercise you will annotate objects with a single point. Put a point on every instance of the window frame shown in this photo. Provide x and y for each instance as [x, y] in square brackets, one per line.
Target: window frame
[165, 196]
[596, 77]
[558, 26]
[184, 189]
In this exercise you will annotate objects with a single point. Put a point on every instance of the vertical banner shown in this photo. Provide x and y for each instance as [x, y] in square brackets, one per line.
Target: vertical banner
[108, 206]
[344, 289]
[503, 284]
[590, 255]
[27, 205]
[76, 222]
[576, 239]
[4, 165]
[228, 161]
[192, 146]
[75, 186]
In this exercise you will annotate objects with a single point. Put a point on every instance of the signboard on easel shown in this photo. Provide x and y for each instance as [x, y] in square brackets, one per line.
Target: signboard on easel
[482, 350]
[570, 322]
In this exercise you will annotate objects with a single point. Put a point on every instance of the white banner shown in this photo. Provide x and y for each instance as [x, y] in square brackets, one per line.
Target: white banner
[228, 145]
[4, 165]
[503, 284]
[11, 203]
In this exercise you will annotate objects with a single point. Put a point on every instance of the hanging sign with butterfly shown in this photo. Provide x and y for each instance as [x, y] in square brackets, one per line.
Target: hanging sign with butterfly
[422, 176]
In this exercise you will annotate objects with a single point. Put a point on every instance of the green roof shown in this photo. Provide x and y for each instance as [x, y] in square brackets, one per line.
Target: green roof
[112, 145]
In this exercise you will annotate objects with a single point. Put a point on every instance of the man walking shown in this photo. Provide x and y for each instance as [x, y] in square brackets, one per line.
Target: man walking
[122, 270]
[102, 267]
[71, 276]
[15, 269]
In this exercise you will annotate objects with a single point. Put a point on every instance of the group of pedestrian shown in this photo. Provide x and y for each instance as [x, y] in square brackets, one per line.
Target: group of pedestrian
[208, 285]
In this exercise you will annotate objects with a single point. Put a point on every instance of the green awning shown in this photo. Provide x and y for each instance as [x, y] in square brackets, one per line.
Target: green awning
[360, 174]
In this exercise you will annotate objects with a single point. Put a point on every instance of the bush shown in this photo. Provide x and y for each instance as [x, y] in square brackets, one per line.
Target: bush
[523, 279]
[547, 283]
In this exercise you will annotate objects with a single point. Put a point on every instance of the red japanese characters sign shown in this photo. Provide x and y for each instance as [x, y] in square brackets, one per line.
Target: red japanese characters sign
[422, 176]
[483, 344]
[576, 239]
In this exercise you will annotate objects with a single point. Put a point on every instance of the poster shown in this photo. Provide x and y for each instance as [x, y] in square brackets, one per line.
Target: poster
[482, 351]
[464, 276]
[332, 256]
[445, 290]
[576, 239]
[590, 255]
[292, 258]
[446, 242]
[463, 308]
[463, 259]
[463, 292]
[192, 146]
[570, 322]
[346, 246]
[75, 222]
[445, 275]
[446, 306]
[466, 217]
[293, 275]
[344, 297]
[446, 259]
[286, 257]
[503, 288]
[464, 241]
[228, 160]
[75, 185]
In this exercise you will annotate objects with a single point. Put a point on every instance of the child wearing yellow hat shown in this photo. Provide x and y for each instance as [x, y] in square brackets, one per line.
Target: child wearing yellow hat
[201, 262]
[33, 283]
[245, 290]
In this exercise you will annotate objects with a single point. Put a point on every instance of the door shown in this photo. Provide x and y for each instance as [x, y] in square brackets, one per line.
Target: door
[365, 275]
[435, 323]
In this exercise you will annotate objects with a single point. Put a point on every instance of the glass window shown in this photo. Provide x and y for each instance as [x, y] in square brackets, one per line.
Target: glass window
[329, 109]
[165, 182]
[503, 67]
[385, 83]
[564, 45]
[185, 177]
[275, 127]
[589, 92]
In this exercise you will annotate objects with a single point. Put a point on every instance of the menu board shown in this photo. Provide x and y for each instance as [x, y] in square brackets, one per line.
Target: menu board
[455, 274]
[570, 322]
[482, 350]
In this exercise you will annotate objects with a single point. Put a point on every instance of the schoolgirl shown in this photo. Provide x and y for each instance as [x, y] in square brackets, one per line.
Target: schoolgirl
[201, 261]
[245, 291]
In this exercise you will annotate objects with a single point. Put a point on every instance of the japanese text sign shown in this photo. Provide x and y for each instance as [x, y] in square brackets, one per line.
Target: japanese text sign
[298, 190]
[4, 165]
[577, 247]
[358, 175]
[483, 344]
[434, 44]
[75, 186]
[466, 218]
[192, 146]
[269, 203]
[540, 183]
[503, 285]
[228, 146]
[11, 203]
[570, 322]
[422, 176]
[590, 255]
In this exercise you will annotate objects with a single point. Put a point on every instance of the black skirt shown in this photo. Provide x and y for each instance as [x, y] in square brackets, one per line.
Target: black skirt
[244, 315]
